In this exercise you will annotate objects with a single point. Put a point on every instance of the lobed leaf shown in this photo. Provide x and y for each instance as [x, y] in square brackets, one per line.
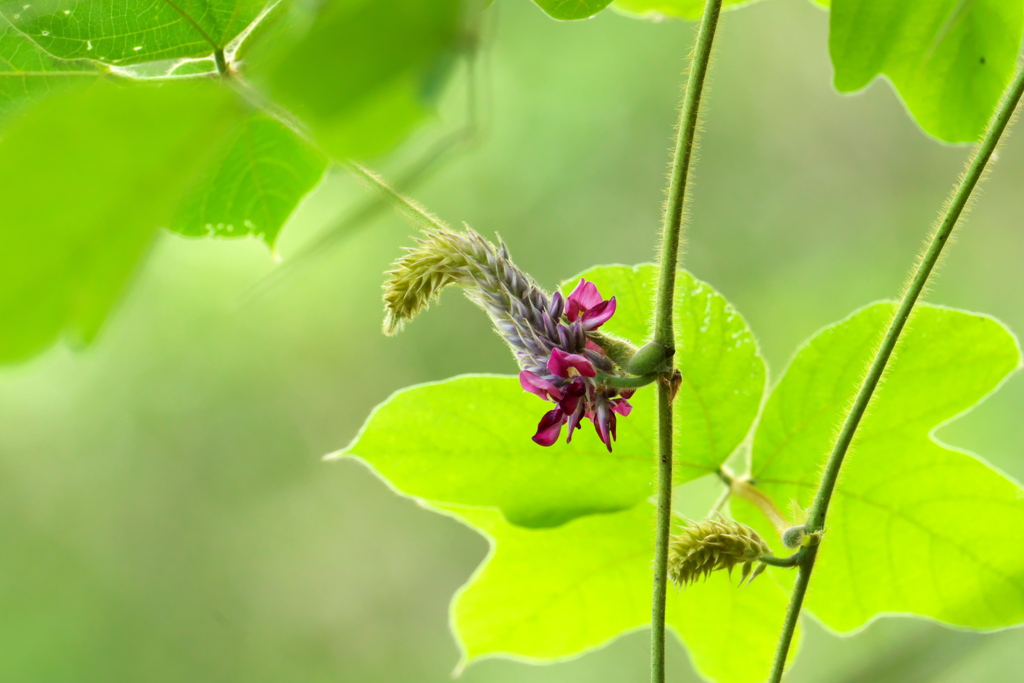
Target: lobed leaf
[549, 594]
[467, 440]
[722, 368]
[253, 185]
[950, 60]
[82, 205]
[915, 526]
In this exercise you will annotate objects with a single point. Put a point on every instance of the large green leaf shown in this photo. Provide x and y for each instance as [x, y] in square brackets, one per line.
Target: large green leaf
[543, 595]
[358, 74]
[950, 60]
[567, 10]
[254, 184]
[27, 72]
[467, 440]
[124, 32]
[915, 526]
[722, 368]
[86, 178]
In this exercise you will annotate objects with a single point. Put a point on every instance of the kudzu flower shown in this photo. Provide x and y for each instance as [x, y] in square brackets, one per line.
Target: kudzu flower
[547, 334]
[712, 544]
[585, 303]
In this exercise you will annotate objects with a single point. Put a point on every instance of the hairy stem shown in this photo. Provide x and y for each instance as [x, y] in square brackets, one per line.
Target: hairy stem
[791, 561]
[819, 508]
[406, 205]
[663, 331]
[796, 601]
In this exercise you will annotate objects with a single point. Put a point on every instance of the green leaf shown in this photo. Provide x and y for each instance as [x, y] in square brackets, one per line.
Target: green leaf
[567, 10]
[723, 371]
[467, 440]
[28, 73]
[950, 60]
[123, 32]
[686, 9]
[915, 526]
[359, 74]
[254, 184]
[82, 202]
[544, 595]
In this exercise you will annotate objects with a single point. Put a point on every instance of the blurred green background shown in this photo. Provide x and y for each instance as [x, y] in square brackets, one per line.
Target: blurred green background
[165, 513]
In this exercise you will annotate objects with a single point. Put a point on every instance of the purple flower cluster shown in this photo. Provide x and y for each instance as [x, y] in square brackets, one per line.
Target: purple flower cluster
[548, 335]
[569, 377]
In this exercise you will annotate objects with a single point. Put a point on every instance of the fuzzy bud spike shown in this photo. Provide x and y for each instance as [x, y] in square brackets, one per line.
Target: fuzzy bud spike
[443, 257]
[712, 544]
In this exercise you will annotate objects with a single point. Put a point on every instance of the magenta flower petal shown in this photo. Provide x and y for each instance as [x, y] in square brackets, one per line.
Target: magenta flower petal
[573, 393]
[550, 427]
[540, 386]
[584, 297]
[602, 424]
[561, 362]
[622, 407]
[574, 421]
[599, 314]
[586, 305]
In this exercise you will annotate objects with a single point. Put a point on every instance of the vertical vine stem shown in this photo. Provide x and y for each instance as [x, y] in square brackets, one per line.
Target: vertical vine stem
[663, 330]
[819, 508]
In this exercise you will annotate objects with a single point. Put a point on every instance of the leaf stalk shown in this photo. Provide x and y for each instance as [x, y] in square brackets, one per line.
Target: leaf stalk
[664, 323]
[819, 508]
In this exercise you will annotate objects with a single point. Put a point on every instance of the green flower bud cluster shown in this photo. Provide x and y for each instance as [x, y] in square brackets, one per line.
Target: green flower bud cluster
[712, 544]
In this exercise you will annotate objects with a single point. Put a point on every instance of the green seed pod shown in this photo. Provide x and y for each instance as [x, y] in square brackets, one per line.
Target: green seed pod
[652, 357]
[712, 544]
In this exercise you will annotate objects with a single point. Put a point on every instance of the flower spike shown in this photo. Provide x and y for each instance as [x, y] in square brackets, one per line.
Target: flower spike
[712, 544]
[547, 334]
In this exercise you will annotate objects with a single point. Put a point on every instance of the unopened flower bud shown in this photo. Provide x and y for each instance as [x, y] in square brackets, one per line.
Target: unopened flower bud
[793, 536]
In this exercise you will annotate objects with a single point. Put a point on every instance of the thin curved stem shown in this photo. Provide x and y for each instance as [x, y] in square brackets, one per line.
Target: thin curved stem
[819, 508]
[406, 205]
[625, 382]
[663, 331]
[791, 561]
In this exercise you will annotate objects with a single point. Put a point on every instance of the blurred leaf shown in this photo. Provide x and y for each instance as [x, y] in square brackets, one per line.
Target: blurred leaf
[84, 194]
[254, 184]
[467, 440]
[27, 72]
[915, 526]
[551, 594]
[566, 10]
[686, 9]
[359, 73]
[124, 32]
[950, 60]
